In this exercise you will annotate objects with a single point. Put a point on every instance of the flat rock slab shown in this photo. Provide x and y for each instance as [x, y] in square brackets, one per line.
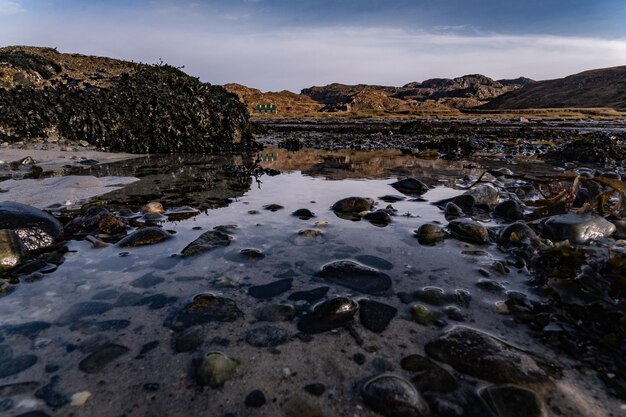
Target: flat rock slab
[356, 277]
[579, 228]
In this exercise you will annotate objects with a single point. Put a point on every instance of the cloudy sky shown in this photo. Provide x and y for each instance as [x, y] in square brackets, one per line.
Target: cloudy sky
[293, 44]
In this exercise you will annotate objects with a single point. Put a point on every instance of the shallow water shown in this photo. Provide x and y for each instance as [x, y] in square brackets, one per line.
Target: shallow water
[121, 280]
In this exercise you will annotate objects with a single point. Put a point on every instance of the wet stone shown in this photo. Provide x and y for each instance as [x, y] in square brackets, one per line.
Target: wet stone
[469, 231]
[148, 347]
[451, 211]
[273, 207]
[509, 210]
[578, 228]
[252, 254]
[255, 399]
[147, 281]
[378, 218]
[267, 336]
[6, 404]
[18, 388]
[353, 205]
[423, 315]
[50, 395]
[204, 308]
[98, 360]
[331, 314]
[36, 228]
[310, 296]
[429, 234]
[12, 250]
[389, 198]
[80, 310]
[359, 358]
[465, 202]
[483, 356]
[376, 316]
[270, 290]
[275, 313]
[303, 214]
[127, 299]
[37, 413]
[14, 365]
[484, 194]
[410, 186]
[30, 329]
[207, 241]
[151, 386]
[144, 236]
[106, 295]
[315, 389]
[428, 375]
[215, 369]
[394, 396]
[512, 401]
[188, 340]
[356, 277]
[518, 234]
[156, 301]
[375, 262]
[490, 285]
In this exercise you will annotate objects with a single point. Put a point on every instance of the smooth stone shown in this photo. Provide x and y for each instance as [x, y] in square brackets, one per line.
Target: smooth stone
[95, 221]
[49, 394]
[80, 310]
[12, 250]
[353, 205]
[378, 218]
[146, 281]
[29, 329]
[376, 316]
[510, 400]
[273, 207]
[490, 285]
[275, 313]
[144, 236]
[423, 315]
[310, 296]
[578, 228]
[101, 358]
[156, 301]
[36, 228]
[410, 186]
[465, 202]
[429, 376]
[429, 234]
[270, 290]
[267, 336]
[14, 365]
[518, 234]
[316, 389]
[484, 356]
[509, 210]
[303, 214]
[469, 231]
[484, 194]
[153, 207]
[188, 340]
[389, 198]
[394, 396]
[252, 254]
[215, 369]
[206, 242]
[451, 211]
[331, 314]
[255, 399]
[374, 262]
[205, 308]
[356, 277]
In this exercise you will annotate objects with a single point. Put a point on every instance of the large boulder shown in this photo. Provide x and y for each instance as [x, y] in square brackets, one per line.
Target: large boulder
[37, 229]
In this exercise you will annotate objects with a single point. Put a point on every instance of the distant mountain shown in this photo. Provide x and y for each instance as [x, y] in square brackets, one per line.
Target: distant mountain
[596, 88]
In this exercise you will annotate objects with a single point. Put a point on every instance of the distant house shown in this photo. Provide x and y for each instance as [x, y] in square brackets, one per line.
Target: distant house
[265, 108]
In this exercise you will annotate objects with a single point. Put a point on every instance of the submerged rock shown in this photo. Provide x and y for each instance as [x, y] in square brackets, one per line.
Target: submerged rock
[37, 229]
[378, 218]
[13, 365]
[356, 277]
[310, 296]
[99, 359]
[331, 314]
[303, 214]
[215, 369]
[275, 312]
[376, 316]
[483, 356]
[270, 290]
[204, 308]
[578, 228]
[206, 242]
[12, 250]
[83, 309]
[144, 236]
[394, 396]
[469, 231]
[410, 186]
[512, 401]
[428, 375]
[267, 336]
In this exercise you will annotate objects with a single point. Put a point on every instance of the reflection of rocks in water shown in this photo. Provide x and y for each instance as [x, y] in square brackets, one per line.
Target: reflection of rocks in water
[199, 181]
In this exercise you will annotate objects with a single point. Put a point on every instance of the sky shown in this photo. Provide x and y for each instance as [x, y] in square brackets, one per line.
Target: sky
[293, 44]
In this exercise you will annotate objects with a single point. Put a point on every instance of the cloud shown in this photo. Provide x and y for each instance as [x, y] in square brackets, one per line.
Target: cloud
[10, 8]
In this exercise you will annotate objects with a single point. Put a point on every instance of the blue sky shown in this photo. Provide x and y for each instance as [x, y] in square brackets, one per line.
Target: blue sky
[291, 44]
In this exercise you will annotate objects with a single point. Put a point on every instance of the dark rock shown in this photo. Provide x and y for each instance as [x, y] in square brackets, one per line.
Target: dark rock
[512, 401]
[18, 388]
[204, 308]
[127, 299]
[310, 296]
[98, 360]
[393, 396]
[144, 236]
[270, 290]
[376, 316]
[90, 327]
[80, 310]
[14, 365]
[206, 242]
[50, 395]
[303, 214]
[252, 254]
[30, 329]
[353, 205]
[267, 336]
[392, 198]
[410, 186]
[451, 211]
[518, 234]
[428, 375]
[96, 221]
[429, 234]
[469, 231]
[356, 277]
[255, 399]
[378, 218]
[483, 356]
[36, 229]
[331, 314]
[578, 228]
[37, 413]
[465, 202]
[273, 207]
[359, 358]
[149, 347]
[509, 210]
[484, 194]
[156, 301]
[106, 295]
[146, 281]
[375, 262]
[275, 313]
[315, 389]
[6, 404]
[51, 368]
[151, 386]
[12, 250]
[188, 340]
[490, 285]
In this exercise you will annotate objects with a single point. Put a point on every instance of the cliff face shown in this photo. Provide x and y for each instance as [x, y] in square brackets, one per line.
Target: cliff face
[597, 88]
[116, 105]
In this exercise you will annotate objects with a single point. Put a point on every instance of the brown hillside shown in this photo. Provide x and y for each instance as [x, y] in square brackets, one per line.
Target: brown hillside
[590, 89]
[286, 101]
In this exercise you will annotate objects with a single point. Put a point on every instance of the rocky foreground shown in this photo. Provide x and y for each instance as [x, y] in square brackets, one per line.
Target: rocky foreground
[115, 105]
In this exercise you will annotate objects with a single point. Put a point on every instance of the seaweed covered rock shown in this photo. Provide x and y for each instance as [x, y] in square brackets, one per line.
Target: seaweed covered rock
[116, 105]
[591, 148]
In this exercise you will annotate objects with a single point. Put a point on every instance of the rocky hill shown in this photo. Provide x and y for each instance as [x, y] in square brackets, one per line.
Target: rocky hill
[597, 88]
[116, 105]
